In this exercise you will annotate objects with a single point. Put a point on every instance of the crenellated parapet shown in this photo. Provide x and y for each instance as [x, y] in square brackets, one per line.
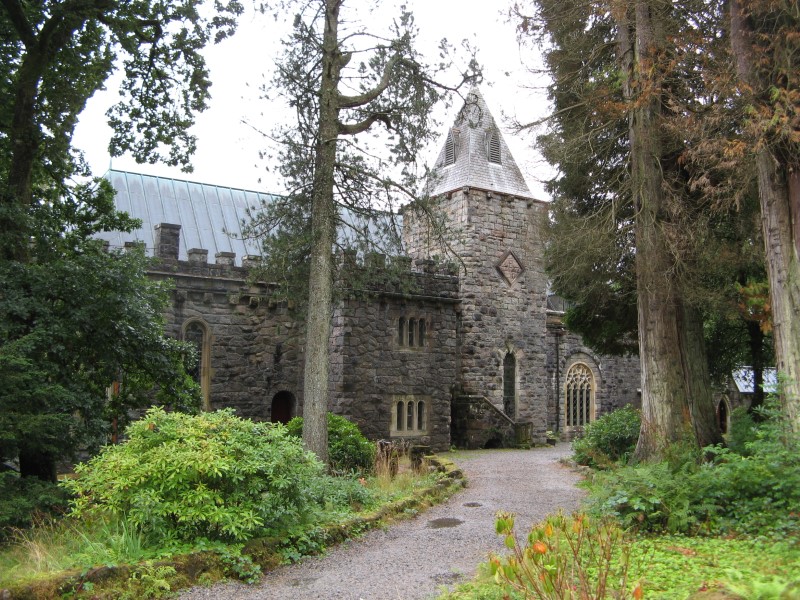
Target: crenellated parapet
[392, 275]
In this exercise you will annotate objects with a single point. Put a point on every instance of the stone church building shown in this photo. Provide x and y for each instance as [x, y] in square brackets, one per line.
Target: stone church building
[473, 357]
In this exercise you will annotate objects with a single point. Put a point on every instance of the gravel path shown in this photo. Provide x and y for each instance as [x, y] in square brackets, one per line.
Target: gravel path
[413, 559]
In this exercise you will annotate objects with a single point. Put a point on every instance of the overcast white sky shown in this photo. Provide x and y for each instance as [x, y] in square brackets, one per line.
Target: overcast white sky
[228, 148]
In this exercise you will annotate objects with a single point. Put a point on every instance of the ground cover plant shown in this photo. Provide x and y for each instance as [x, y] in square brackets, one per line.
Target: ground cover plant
[131, 503]
[721, 520]
[604, 562]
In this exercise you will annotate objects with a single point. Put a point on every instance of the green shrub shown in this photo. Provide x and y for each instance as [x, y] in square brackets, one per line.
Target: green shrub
[609, 439]
[742, 431]
[648, 497]
[341, 494]
[728, 493]
[348, 449]
[23, 498]
[213, 475]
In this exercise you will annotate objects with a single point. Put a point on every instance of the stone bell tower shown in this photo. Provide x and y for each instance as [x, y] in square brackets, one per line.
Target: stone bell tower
[493, 223]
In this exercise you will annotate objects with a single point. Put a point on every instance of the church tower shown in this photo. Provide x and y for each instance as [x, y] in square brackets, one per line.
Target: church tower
[493, 234]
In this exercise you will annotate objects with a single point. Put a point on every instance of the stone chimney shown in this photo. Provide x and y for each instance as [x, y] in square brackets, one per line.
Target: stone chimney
[167, 240]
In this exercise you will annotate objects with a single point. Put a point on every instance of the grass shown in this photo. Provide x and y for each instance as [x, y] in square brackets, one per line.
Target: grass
[52, 546]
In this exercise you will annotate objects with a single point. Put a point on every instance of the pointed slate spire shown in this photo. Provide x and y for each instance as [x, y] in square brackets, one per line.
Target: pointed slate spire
[476, 155]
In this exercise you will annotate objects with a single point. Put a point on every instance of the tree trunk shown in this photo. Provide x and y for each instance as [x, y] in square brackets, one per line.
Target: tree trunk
[323, 226]
[779, 195]
[676, 389]
[756, 339]
[778, 212]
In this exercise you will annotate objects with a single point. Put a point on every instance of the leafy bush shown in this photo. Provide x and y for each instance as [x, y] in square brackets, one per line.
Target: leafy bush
[564, 558]
[348, 449]
[213, 475]
[23, 498]
[341, 494]
[742, 431]
[649, 497]
[609, 439]
[757, 494]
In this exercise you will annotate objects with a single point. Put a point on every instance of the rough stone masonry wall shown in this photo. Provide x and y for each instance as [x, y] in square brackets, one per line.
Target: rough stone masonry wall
[372, 369]
[254, 344]
[503, 295]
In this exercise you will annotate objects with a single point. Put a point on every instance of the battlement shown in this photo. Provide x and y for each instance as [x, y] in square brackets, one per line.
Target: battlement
[427, 277]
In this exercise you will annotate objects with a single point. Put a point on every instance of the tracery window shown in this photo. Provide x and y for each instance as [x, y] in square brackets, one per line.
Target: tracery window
[580, 389]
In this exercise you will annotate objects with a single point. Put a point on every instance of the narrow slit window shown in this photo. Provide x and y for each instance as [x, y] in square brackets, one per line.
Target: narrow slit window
[410, 416]
[400, 415]
[412, 325]
[197, 333]
[401, 331]
[421, 415]
[421, 340]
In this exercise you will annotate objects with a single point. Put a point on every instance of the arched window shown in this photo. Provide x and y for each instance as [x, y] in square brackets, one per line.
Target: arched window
[195, 332]
[510, 384]
[409, 417]
[421, 340]
[401, 331]
[412, 325]
[579, 403]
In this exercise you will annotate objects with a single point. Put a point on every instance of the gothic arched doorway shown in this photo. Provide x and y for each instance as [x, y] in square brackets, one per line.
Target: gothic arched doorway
[282, 407]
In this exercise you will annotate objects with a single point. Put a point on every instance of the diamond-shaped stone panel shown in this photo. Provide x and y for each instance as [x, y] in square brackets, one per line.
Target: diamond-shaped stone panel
[510, 268]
